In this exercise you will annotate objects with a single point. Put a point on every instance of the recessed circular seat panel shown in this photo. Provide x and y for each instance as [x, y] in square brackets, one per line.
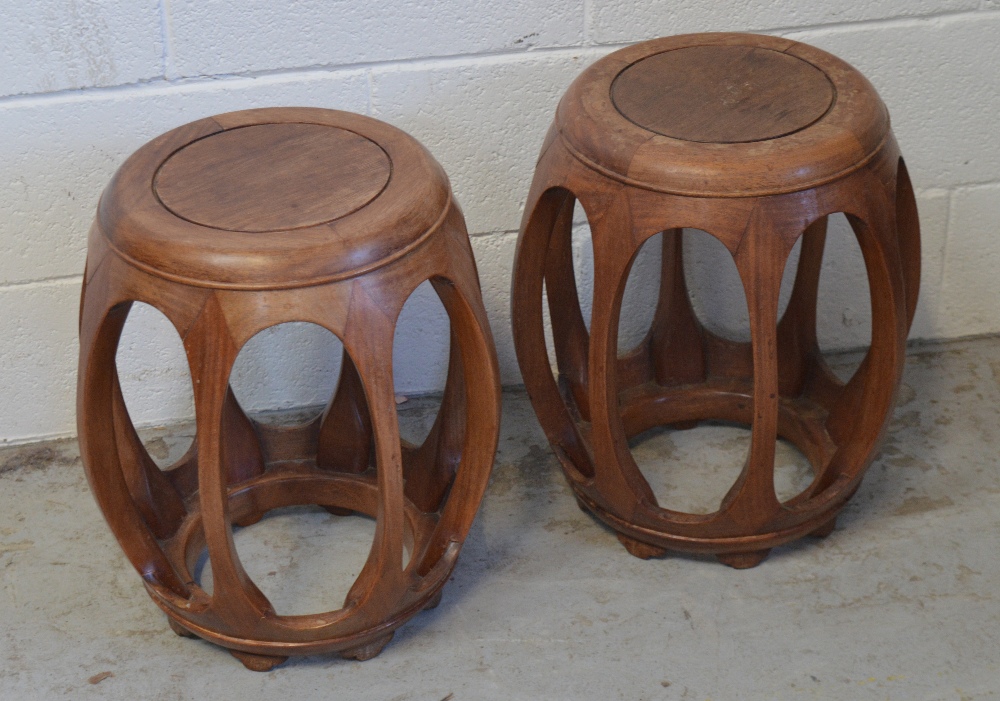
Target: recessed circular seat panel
[273, 198]
[722, 94]
[272, 177]
[722, 115]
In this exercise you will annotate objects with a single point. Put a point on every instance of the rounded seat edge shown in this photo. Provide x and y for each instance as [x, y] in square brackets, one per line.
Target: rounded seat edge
[842, 140]
[145, 233]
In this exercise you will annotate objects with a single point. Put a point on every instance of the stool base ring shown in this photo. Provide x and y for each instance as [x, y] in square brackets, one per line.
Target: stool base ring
[283, 485]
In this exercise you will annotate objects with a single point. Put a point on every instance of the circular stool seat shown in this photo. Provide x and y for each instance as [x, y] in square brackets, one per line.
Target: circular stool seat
[755, 140]
[237, 223]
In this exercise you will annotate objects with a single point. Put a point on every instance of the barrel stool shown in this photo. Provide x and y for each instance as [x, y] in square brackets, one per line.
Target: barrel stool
[234, 224]
[755, 140]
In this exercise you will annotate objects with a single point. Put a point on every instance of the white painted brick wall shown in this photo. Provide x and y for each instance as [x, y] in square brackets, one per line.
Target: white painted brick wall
[83, 83]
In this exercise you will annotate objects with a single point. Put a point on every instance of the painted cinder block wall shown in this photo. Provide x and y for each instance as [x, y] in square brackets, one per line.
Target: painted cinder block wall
[83, 83]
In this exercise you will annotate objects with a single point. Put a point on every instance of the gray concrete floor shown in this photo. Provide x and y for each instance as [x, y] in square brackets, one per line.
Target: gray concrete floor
[898, 603]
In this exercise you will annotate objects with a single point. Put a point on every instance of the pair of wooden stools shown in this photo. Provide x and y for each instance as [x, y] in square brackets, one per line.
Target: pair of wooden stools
[233, 224]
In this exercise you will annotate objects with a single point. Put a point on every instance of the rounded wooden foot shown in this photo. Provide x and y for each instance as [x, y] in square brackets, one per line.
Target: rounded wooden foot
[684, 425]
[366, 652]
[337, 511]
[743, 561]
[179, 629]
[826, 529]
[247, 520]
[257, 663]
[641, 550]
[434, 601]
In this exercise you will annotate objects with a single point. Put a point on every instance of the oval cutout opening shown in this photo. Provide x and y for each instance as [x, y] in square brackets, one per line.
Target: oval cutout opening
[715, 287]
[642, 291]
[691, 471]
[420, 352]
[302, 558]
[286, 374]
[583, 262]
[156, 384]
[844, 312]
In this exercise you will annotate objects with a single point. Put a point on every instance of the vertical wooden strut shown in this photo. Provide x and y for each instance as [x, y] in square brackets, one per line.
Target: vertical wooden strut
[675, 342]
[797, 344]
[345, 439]
[569, 333]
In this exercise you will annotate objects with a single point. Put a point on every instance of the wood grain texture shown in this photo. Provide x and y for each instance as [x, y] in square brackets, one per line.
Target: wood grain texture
[722, 94]
[758, 199]
[220, 287]
[849, 134]
[272, 177]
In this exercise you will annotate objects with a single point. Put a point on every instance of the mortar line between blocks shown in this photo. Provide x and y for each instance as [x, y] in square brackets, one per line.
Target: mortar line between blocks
[298, 72]
[949, 208]
[166, 30]
[887, 22]
[42, 282]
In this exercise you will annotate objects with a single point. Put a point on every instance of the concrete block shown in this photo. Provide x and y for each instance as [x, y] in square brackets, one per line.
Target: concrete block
[51, 45]
[939, 80]
[483, 121]
[287, 366]
[616, 21]
[210, 39]
[969, 288]
[39, 350]
[57, 154]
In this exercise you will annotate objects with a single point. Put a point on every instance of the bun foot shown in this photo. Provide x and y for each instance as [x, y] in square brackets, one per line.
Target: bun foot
[366, 652]
[434, 601]
[337, 511]
[684, 425]
[257, 663]
[247, 520]
[179, 629]
[826, 529]
[743, 561]
[641, 550]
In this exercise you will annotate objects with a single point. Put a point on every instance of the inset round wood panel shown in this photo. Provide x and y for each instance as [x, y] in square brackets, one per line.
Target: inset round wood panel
[722, 94]
[272, 177]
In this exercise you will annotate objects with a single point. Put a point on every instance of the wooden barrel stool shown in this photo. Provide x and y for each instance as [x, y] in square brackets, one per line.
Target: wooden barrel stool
[755, 140]
[234, 224]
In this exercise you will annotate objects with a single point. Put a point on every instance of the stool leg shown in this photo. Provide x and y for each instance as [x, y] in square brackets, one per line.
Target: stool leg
[430, 468]
[102, 320]
[540, 216]
[368, 338]
[752, 501]
[857, 416]
[157, 499]
[908, 226]
[569, 333]
[211, 353]
[676, 342]
[617, 477]
[345, 439]
[473, 340]
[797, 345]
